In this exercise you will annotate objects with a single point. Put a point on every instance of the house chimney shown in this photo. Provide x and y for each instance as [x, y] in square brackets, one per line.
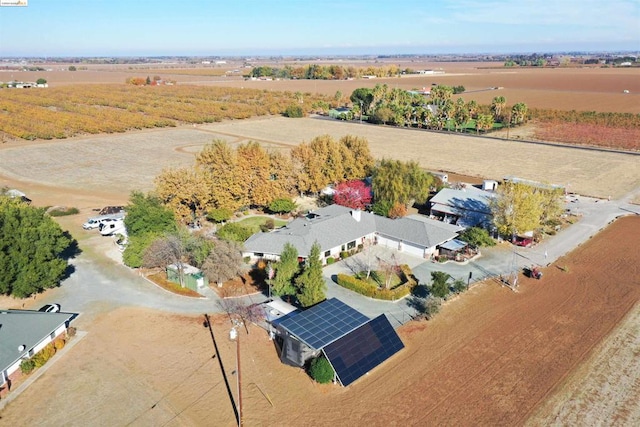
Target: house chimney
[356, 214]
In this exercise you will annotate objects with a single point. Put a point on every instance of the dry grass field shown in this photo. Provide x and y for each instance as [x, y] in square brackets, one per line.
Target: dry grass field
[117, 164]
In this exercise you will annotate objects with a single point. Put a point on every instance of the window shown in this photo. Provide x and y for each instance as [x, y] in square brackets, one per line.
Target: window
[351, 245]
[327, 254]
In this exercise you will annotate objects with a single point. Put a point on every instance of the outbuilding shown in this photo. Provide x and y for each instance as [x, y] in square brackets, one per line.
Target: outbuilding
[192, 277]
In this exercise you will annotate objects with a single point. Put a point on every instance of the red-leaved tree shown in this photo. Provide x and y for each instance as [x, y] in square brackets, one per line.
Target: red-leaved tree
[352, 194]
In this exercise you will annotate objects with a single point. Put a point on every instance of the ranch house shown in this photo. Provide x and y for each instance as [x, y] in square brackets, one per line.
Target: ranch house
[337, 228]
[467, 207]
[23, 333]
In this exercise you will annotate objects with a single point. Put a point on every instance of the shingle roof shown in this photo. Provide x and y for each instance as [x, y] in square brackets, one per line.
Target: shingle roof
[334, 225]
[330, 226]
[25, 327]
[417, 229]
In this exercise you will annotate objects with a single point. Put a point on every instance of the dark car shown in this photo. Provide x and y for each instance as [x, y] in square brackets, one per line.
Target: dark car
[50, 308]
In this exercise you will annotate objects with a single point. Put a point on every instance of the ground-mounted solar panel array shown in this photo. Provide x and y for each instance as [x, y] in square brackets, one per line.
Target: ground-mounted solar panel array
[324, 323]
[355, 354]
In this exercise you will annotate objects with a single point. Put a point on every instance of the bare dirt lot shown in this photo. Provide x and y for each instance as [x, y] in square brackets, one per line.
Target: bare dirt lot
[114, 165]
[491, 357]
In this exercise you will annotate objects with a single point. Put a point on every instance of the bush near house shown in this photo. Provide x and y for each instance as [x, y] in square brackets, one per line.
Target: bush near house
[321, 371]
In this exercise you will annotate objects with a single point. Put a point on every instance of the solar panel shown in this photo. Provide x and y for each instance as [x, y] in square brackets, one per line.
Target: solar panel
[324, 323]
[357, 353]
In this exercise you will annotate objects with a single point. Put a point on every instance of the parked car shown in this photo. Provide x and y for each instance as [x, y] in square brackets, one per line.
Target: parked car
[97, 221]
[50, 308]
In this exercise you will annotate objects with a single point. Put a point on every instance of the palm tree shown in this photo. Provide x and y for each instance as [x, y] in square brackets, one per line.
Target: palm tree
[519, 113]
[497, 105]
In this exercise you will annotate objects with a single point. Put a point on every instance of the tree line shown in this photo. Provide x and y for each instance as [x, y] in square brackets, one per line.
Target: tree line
[327, 72]
[228, 178]
[399, 107]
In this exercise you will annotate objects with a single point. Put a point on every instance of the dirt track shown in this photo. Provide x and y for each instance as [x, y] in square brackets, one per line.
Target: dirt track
[490, 358]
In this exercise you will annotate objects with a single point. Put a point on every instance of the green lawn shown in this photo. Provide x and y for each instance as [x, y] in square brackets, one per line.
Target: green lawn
[253, 223]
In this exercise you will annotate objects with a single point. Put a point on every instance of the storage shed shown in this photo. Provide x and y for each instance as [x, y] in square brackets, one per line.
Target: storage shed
[193, 278]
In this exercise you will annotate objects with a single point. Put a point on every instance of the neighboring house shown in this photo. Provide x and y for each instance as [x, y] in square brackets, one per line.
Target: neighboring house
[17, 194]
[337, 228]
[339, 113]
[192, 277]
[23, 333]
[466, 207]
[352, 343]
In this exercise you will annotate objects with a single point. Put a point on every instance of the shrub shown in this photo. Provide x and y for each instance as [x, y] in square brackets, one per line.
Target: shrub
[71, 332]
[63, 211]
[234, 232]
[59, 344]
[270, 223]
[219, 215]
[477, 236]
[282, 206]
[330, 260]
[365, 288]
[344, 254]
[294, 111]
[44, 355]
[27, 366]
[321, 371]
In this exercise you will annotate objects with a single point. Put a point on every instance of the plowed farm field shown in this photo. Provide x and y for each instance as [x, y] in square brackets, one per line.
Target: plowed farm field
[592, 88]
[491, 357]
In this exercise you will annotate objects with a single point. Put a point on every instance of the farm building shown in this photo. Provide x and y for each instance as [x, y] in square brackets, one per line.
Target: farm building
[337, 228]
[192, 277]
[23, 333]
[351, 342]
[339, 113]
[466, 207]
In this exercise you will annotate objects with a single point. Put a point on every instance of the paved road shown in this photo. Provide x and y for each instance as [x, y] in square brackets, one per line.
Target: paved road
[99, 286]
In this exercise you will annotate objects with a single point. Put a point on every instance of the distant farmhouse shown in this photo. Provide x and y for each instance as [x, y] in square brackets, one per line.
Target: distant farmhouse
[337, 228]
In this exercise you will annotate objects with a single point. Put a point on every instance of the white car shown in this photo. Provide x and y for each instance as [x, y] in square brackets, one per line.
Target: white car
[50, 308]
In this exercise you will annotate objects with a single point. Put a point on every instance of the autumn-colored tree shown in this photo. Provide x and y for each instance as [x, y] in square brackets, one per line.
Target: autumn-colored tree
[398, 210]
[255, 168]
[185, 191]
[352, 194]
[309, 166]
[356, 157]
[518, 208]
[219, 164]
[282, 178]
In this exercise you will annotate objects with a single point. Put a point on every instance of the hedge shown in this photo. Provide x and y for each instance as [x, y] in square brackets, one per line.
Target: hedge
[366, 289]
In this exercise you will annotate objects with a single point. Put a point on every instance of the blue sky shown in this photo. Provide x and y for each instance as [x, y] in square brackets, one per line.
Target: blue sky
[315, 27]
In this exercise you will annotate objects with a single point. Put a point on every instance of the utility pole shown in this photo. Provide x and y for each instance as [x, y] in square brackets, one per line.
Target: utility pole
[234, 335]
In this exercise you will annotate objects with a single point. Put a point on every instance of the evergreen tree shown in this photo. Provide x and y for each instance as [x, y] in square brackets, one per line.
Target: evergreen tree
[31, 249]
[310, 284]
[286, 270]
